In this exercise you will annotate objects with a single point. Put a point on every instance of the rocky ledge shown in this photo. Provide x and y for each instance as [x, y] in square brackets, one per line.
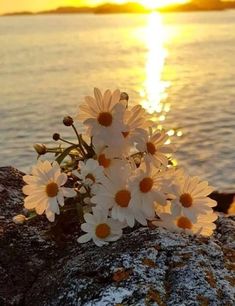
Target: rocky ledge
[145, 267]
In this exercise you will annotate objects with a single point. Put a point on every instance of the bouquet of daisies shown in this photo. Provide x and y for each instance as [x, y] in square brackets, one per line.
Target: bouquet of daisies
[119, 173]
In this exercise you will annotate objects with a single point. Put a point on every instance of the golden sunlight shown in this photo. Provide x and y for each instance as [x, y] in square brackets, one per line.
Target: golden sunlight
[155, 88]
[161, 3]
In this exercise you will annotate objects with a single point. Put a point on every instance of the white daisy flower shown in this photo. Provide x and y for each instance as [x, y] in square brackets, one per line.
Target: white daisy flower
[100, 228]
[107, 159]
[45, 191]
[90, 172]
[103, 115]
[190, 197]
[154, 147]
[104, 159]
[116, 194]
[147, 187]
[175, 174]
[135, 120]
[159, 209]
[203, 226]
[171, 177]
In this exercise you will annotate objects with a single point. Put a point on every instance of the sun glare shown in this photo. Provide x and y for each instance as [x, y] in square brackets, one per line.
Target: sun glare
[154, 92]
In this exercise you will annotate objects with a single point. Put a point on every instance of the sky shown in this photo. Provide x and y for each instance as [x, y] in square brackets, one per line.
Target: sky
[38, 5]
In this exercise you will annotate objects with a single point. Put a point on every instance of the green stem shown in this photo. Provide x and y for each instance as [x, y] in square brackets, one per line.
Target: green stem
[80, 212]
[69, 142]
[79, 140]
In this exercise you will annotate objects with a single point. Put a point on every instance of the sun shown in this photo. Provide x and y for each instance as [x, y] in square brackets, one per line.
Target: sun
[152, 4]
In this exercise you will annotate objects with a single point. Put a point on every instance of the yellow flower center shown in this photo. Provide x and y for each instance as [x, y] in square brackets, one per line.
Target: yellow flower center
[125, 134]
[102, 230]
[52, 190]
[91, 177]
[186, 200]
[151, 149]
[105, 119]
[146, 184]
[184, 223]
[123, 197]
[103, 161]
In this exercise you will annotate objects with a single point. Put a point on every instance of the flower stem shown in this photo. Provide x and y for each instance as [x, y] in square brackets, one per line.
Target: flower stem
[79, 140]
[79, 212]
[69, 142]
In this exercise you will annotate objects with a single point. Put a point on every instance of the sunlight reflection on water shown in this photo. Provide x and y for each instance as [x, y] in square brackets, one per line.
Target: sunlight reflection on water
[154, 92]
[176, 62]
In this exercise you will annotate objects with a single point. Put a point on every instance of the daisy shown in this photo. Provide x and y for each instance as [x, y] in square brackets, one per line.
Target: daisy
[135, 120]
[170, 176]
[107, 159]
[104, 159]
[103, 115]
[154, 147]
[115, 194]
[147, 187]
[175, 174]
[90, 172]
[44, 190]
[203, 226]
[100, 228]
[190, 197]
[159, 209]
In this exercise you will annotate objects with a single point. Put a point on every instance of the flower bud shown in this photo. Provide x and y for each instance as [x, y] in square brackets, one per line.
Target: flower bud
[82, 190]
[124, 96]
[68, 121]
[19, 219]
[26, 211]
[56, 136]
[87, 200]
[40, 148]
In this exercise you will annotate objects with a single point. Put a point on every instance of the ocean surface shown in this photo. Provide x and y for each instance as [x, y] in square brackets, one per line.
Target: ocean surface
[180, 67]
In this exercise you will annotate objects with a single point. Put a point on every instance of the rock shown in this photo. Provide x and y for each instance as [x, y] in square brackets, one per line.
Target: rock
[145, 267]
[10, 191]
[24, 252]
[225, 201]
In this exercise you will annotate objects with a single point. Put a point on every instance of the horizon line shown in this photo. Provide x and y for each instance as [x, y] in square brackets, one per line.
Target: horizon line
[142, 9]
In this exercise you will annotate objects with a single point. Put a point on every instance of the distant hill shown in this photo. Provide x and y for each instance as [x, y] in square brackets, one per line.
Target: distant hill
[18, 14]
[200, 5]
[132, 7]
[69, 10]
[229, 4]
[58, 11]
[189, 7]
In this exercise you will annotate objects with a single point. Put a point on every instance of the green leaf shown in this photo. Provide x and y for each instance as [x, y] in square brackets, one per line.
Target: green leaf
[66, 152]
